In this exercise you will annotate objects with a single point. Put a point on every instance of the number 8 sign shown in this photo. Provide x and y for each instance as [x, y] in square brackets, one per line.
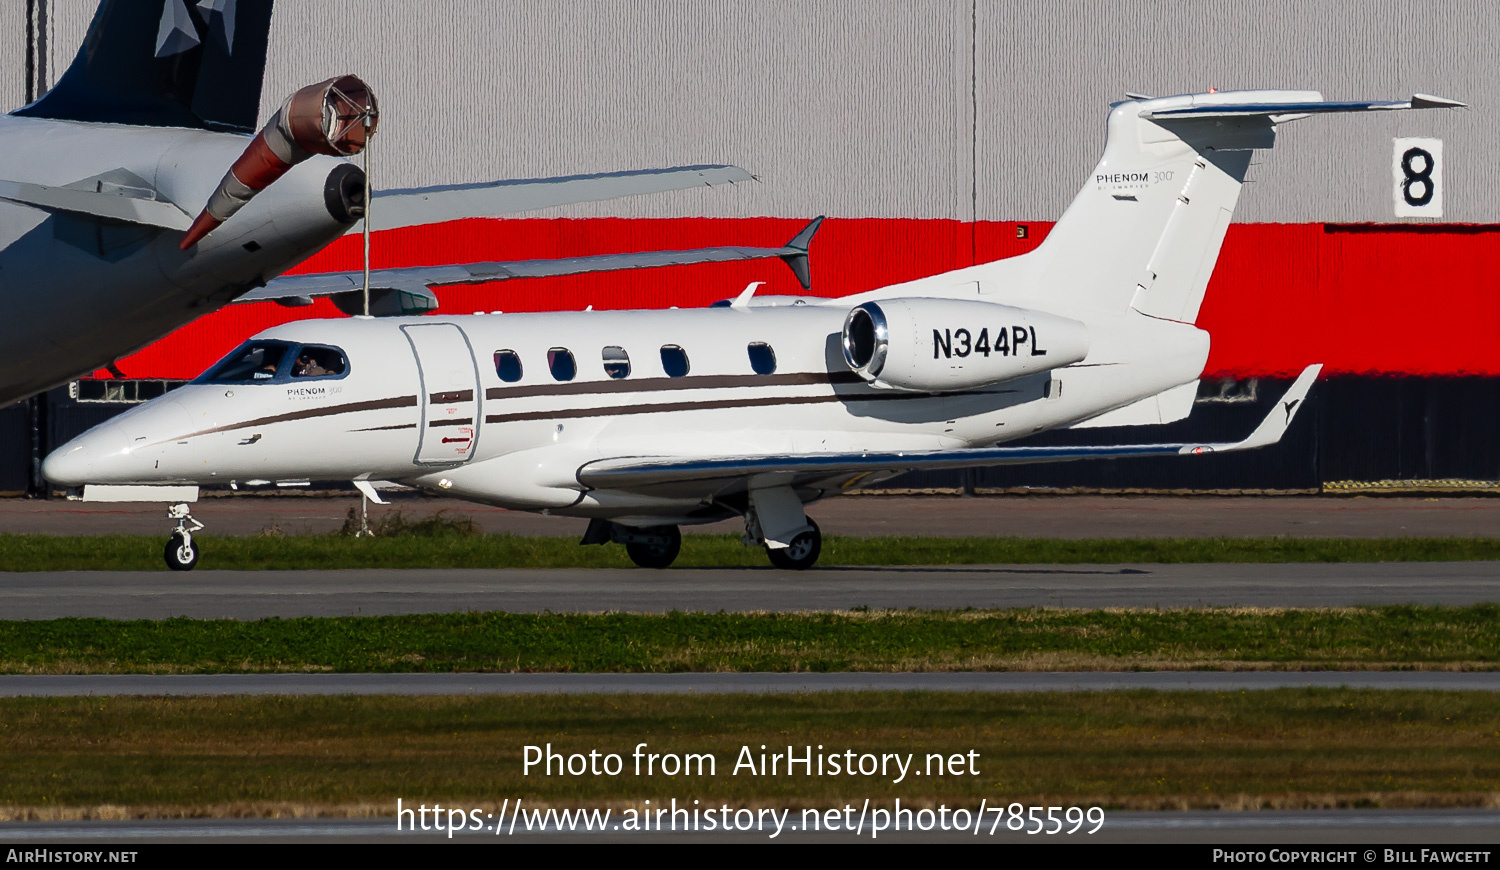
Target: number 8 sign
[1417, 167]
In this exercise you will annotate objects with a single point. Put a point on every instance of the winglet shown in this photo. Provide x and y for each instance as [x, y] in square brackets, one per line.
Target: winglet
[1428, 101]
[796, 258]
[1275, 424]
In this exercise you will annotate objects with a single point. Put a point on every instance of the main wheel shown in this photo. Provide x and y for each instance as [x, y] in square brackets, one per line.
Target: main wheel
[803, 552]
[659, 553]
[181, 554]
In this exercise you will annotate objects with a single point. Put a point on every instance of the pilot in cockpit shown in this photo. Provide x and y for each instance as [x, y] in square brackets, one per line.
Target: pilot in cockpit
[307, 367]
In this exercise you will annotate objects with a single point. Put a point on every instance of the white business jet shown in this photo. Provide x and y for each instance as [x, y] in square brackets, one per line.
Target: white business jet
[647, 420]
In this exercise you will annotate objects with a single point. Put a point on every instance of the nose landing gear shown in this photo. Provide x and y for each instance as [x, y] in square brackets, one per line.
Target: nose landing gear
[181, 553]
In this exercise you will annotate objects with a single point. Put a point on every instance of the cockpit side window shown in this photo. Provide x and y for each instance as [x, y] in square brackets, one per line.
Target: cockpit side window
[251, 362]
[319, 362]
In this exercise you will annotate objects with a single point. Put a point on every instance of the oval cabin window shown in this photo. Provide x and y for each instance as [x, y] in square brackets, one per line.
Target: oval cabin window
[762, 358]
[616, 362]
[508, 365]
[560, 361]
[674, 361]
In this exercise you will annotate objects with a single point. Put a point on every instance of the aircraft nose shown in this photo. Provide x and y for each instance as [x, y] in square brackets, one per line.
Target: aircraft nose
[114, 451]
[84, 459]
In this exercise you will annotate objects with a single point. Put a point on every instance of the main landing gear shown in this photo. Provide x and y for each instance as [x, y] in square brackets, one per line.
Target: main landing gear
[181, 553]
[802, 553]
[649, 547]
[774, 519]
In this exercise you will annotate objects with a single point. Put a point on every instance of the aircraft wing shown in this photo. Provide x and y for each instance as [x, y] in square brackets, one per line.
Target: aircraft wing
[417, 280]
[430, 205]
[716, 477]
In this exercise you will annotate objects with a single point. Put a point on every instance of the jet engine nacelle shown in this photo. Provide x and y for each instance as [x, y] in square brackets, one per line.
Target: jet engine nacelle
[940, 345]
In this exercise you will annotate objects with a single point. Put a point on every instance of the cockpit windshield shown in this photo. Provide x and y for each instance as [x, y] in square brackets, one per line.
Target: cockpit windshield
[258, 362]
[253, 361]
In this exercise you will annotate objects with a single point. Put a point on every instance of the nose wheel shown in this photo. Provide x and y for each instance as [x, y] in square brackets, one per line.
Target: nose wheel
[181, 553]
[802, 553]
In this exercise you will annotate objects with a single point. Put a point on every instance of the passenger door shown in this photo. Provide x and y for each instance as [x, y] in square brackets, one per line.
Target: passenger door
[449, 397]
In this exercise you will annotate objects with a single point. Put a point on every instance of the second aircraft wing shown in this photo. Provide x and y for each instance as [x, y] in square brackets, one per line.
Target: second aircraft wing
[429, 205]
[415, 282]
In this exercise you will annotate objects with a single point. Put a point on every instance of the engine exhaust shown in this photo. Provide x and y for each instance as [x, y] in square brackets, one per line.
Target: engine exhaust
[335, 117]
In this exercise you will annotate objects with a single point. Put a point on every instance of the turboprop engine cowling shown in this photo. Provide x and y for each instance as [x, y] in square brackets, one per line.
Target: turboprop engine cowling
[940, 345]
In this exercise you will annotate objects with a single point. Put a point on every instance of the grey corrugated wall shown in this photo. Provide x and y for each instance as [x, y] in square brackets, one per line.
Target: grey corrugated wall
[865, 108]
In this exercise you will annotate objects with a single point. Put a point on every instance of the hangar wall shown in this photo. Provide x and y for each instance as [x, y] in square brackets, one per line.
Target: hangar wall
[930, 133]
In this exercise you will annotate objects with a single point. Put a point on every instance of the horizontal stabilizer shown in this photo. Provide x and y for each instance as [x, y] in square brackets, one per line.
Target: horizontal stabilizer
[391, 209]
[121, 204]
[719, 476]
[1304, 103]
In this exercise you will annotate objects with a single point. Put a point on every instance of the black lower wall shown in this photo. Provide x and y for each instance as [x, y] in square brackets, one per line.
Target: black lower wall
[1352, 429]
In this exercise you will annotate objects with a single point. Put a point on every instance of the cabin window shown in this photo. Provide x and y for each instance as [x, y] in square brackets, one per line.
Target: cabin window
[250, 362]
[508, 365]
[319, 362]
[616, 362]
[560, 361]
[762, 358]
[674, 361]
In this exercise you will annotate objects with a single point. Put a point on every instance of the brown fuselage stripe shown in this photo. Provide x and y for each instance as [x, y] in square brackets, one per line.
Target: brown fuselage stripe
[704, 382]
[306, 414]
[691, 382]
[719, 404]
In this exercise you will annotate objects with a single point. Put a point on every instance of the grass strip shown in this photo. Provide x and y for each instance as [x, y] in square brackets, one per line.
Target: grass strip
[245, 756]
[1395, 637]
[317, 552]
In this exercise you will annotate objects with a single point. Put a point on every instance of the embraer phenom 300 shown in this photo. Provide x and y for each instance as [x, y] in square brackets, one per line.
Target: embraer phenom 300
[647, 420]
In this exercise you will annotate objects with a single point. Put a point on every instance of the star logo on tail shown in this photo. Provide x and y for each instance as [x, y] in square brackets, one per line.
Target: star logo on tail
[177, 33]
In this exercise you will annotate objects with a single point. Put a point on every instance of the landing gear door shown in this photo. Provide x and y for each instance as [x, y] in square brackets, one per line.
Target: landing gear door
[449, 398]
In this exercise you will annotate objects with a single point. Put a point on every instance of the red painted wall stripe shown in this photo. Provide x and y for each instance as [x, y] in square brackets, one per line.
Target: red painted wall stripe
[1365, 299]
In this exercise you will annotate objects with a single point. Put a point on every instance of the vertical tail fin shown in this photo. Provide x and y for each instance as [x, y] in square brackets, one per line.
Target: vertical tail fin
[1145, 231]
[166, 63]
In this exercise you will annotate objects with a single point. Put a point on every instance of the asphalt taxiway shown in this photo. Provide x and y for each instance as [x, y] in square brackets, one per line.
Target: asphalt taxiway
[1044, 516]
[261, 594]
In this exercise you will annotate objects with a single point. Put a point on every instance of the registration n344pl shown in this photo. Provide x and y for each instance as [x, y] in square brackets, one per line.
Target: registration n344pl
[644, 421]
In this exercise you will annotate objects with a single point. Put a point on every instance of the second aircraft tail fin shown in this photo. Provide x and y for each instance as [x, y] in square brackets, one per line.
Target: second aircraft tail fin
[166, 63]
